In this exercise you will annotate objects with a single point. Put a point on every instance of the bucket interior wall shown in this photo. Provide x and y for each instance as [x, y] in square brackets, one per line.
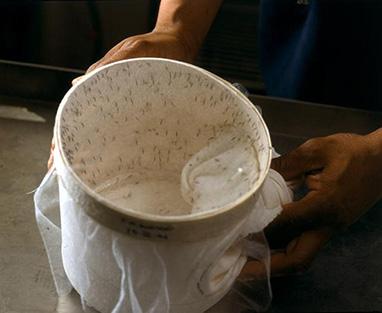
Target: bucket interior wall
[150, 116]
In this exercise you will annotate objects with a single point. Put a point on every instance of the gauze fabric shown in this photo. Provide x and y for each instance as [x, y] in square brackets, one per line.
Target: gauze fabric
[117, 273]
[128, 116]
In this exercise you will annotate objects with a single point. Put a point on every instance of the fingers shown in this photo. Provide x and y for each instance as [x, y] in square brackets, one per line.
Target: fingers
[94, 65]
[253, 270]
[299, 253]
[295, 218]
[130, 48]
[118, 56]
[77, 79]
[297, 257]
[105, 57]
[306, 158]
[50, 161]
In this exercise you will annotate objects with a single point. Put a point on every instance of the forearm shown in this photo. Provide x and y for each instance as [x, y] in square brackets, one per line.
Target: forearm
[189, 20]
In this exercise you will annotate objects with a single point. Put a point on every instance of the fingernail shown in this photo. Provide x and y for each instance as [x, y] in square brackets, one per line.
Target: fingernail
[76, 80]
[291, 245]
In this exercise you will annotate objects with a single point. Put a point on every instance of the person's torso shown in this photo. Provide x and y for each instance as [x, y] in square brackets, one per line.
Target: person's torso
[323, 50]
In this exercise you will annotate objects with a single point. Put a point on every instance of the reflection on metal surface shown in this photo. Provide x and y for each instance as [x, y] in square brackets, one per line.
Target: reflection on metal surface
[72, 304]
[19, 113]
[42, 66]
[344, 277]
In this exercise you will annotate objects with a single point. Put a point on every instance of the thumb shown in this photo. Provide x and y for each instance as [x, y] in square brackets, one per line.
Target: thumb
[296, 163]
[300, 253]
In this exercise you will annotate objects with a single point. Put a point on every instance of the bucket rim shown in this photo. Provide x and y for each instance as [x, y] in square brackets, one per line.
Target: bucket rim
[148, 217]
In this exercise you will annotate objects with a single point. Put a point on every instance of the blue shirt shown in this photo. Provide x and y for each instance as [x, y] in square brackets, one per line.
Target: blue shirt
[327, 51]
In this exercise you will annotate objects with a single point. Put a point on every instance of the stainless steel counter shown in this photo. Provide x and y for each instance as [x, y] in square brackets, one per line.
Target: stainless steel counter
[346, 276]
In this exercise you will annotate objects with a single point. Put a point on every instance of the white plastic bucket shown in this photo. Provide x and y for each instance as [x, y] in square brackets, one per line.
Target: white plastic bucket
[154, 114]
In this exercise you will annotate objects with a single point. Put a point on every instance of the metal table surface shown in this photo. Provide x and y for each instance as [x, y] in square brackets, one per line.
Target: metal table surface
[346, 276]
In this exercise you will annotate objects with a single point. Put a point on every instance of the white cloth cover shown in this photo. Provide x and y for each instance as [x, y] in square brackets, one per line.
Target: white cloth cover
[130, 114]
[117, 273]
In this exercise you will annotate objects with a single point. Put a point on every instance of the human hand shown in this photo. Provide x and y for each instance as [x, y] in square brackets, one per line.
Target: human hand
[175, 36]
[343, 176]
[50, 160]
[154, 44]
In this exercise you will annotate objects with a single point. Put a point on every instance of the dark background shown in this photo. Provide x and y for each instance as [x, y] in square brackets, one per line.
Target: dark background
[74, 34]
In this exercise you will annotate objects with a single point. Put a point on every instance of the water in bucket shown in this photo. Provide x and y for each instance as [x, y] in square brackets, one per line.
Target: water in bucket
[216, 175]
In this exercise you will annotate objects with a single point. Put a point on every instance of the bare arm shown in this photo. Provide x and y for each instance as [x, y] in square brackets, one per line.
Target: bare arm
[178, 34]
[190, 20]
